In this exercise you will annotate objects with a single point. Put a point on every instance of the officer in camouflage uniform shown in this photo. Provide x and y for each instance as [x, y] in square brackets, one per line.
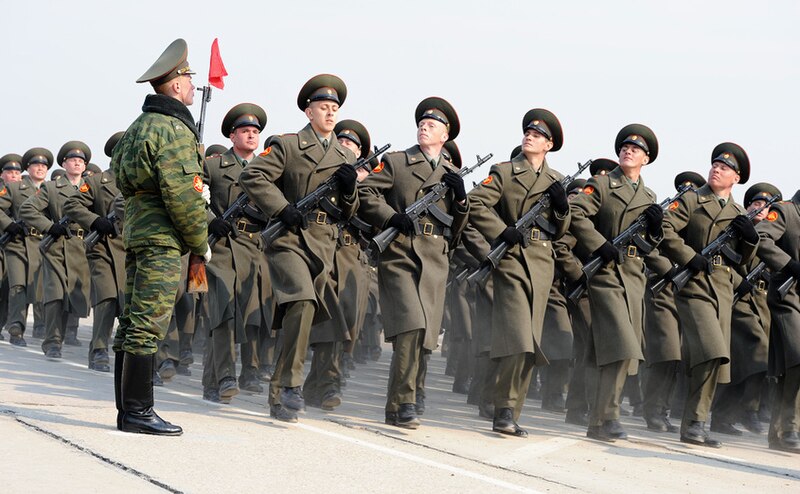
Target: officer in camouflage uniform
[22, 255]
[300, 261]
[240, 308]
[90, 209]
[704, 304]
[65, 268]
[412, 305]
[158, 170]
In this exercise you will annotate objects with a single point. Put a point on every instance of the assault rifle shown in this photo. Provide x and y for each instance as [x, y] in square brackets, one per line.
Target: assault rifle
[630, 235]
[277, 228]
[90, 240]
[786, 286]
[7, 237]
[524, 225]
[423, 206]
[50, 239]
[750, 279]
[718, 246]
[234, 211]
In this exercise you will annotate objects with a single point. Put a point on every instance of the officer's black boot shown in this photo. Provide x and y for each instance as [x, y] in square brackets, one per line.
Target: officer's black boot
[119, 357]
[137, 398]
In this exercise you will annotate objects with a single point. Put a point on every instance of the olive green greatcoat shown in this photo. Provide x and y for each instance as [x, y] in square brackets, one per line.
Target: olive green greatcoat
[523, 278]
[780, 243]
[750, 323]
[66, 276]
[238, 274]
[22, 254]
[608, 205]
[107, 258]
[300, 262]
[704, 304]
[412, 271]
[662, 334]
[475, 249]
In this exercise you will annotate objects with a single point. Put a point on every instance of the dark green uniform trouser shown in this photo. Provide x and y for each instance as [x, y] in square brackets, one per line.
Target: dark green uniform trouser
[55, 324]
[250, 350]
[610, 381]
[786, 404]
[404, 369]
[152, 277]
[658, 387]
[514, 374]
[701, 386]
[556, 379]
[296, 328]
[733, 399]
[325, 370]
[104, 312]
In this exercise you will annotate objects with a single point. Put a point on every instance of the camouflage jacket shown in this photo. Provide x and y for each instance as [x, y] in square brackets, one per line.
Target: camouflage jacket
[157, 165]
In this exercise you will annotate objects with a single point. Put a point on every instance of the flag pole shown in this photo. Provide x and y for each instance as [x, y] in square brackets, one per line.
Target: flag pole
[202, 122]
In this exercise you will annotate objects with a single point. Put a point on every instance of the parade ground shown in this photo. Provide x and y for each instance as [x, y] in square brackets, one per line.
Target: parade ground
[57, 434]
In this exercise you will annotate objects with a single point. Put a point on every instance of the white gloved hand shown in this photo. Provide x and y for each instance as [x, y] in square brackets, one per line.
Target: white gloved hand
[206, 194]
[207, 256]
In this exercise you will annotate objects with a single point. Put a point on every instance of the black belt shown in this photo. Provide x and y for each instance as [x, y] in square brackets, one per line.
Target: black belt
[631, 251]
[245, 227]
[718, 260]
[537, 234]
[320, 218]
[427, 229]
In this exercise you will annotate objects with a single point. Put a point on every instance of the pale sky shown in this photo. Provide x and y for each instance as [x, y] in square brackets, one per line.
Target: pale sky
[697, 72]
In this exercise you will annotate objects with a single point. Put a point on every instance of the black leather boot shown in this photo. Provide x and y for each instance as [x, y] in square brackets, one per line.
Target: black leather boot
[119, 357]
[137, 398]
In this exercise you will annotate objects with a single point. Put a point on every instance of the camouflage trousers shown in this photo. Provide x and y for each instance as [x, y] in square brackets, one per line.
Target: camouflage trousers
[153, 274]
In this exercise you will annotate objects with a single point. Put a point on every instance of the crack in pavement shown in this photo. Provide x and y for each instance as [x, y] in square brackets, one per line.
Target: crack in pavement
[90, 452]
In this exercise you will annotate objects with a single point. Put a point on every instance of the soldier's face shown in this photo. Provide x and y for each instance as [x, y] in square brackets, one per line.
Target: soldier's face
[245, 138]
[322, 115]
[535, 143]
[631, 157]
[9, 176]
[431, 132]
[352, 146]
[722, 177]
[185, 89]
[37, 171]
[758, 204]
[74, 166]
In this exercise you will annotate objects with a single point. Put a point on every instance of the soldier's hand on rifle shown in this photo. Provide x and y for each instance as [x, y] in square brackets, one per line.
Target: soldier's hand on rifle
[290, 216]
[219, 228]
[57, 230]
[744, 227]
[793, 268]
[510, 236]
[103, 225]
[14, 229]
[654, 216]
[402, 222]
[456, 184]
[558, 198]
[698, 264]
[607, 252]
[346, 175]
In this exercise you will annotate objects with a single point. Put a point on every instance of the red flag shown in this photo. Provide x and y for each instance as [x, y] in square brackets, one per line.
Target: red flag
[216, 70]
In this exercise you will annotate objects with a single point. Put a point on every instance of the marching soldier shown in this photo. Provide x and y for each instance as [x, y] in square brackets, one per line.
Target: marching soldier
[240, 308]
[11, 165]
[609, 204]
[292, 166]
[65, 268]
[22, 255]
[158, 171]
[412, 305]
[780, 249]
[663, 340]
[90, 209]
[704, 304]
[523, 277]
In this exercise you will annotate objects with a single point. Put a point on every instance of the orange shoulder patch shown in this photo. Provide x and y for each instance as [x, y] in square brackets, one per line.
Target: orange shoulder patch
[378, 168]
[84, 187]
[588, 190]
[266, 151]
[198, 183]
[487, 180]
[772, 216]
[3, 192]
[673, 206]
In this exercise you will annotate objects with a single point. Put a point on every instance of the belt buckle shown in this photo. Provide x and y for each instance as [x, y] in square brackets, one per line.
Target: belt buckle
[427, 229]
[79, 233]
[347, 239]
[536, 234]
[717, 260]
[321, 217]
[632, 251]
[34, 231]
[761, 285]
[241, 225]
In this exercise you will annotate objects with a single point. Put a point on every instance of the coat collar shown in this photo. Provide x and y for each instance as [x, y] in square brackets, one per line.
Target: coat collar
[311, 147]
